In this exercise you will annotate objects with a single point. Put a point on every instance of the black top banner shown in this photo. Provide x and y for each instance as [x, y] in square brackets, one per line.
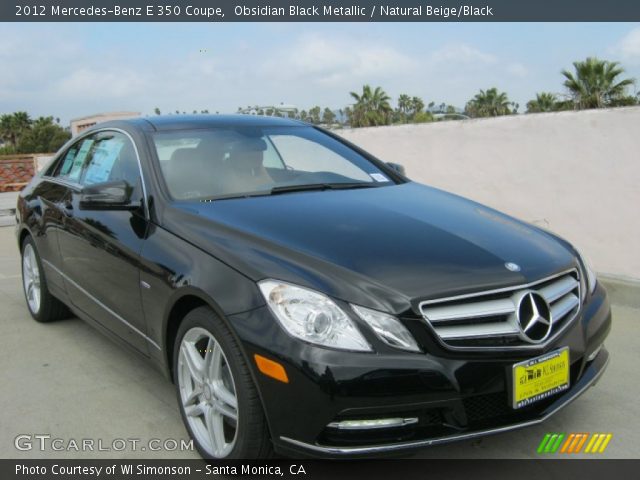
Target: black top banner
[319, 11]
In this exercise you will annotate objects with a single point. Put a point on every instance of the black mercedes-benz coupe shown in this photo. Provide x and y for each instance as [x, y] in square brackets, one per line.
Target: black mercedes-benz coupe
[305, 297]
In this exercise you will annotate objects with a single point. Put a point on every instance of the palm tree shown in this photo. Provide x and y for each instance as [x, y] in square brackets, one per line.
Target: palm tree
[408, 108]
[328, 117]
[489, 103]
[416, 106]
[404, 105]
[14, 126]
[372, 107]
[43, 135]
[544, 102]
[595, 83]
[5, 128]
[314, 115]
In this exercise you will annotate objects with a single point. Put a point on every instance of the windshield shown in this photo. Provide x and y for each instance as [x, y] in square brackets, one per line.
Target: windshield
[244, 161]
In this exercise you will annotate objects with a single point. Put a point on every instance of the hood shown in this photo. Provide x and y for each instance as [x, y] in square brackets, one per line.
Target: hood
[388, 246]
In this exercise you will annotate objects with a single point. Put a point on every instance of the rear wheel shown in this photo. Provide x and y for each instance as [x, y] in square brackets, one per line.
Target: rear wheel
[218, 401]
[43, 306]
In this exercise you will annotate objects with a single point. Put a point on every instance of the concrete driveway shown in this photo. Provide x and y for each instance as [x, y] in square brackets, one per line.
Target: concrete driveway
[68, 381]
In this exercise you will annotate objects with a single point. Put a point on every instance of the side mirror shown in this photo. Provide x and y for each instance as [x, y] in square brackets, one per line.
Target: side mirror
[107, 196]
[397, 168]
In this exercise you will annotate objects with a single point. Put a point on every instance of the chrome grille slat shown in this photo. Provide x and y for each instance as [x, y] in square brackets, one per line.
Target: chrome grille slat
[478, 330]
[563, 306]
[470, 310]
[488, 320]
[557, 289]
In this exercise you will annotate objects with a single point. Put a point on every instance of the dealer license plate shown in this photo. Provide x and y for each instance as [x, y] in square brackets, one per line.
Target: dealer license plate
[540, 377]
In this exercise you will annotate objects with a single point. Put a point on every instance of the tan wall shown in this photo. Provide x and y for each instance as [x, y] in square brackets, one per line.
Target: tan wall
[576, 173]
[79, 125]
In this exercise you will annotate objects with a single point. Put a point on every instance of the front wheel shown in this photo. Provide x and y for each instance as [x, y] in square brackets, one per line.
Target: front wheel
[218, 401]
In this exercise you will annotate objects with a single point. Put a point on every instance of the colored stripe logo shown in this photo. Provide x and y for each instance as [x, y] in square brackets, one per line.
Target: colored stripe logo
[574, 443]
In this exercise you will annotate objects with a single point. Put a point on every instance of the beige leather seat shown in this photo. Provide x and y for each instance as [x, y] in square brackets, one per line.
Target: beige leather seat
[246, 169]
[195, 172]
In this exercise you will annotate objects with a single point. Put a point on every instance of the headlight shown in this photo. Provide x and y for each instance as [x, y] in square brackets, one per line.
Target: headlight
[312, 316]
[388, 329]
[590, 275]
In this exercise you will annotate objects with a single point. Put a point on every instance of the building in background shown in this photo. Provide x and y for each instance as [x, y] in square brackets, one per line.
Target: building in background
[78, 125]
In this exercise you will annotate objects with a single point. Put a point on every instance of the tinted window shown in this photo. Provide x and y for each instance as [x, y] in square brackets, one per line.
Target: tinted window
[101, 157]
[309, 156]
[239, 161]
[112, 158]
[70, 167]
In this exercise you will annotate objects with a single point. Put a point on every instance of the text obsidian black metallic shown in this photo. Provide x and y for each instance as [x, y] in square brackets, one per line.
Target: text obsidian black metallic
[303, 296]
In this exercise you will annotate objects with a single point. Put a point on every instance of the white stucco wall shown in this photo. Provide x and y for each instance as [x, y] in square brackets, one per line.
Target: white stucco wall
[42, 161]
[576, 173]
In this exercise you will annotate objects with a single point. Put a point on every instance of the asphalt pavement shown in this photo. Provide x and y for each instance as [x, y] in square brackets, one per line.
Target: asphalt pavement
[68, 382]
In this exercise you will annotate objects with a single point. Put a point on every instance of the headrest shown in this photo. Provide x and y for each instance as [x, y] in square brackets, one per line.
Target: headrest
[211, 144]
[249, 145]
[182, 155]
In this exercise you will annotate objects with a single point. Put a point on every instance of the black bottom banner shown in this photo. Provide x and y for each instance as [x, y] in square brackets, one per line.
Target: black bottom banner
[582, 469]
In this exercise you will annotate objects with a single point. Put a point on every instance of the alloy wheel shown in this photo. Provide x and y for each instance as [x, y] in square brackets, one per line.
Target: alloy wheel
[208, 392]
[31, 278]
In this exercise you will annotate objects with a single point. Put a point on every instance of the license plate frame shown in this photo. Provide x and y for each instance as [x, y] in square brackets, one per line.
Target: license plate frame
[540, 377]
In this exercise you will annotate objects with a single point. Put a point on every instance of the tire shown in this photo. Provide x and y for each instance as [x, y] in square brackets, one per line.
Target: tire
[42, 306]
[216, 386]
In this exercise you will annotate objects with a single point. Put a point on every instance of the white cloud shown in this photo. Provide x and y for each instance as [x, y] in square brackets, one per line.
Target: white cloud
[462, 53]
[517, 70]
[91, 82]
[58, 74]
[331, 61]
[629, 47]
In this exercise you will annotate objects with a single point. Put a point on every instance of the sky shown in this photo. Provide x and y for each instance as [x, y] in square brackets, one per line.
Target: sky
[70, 70]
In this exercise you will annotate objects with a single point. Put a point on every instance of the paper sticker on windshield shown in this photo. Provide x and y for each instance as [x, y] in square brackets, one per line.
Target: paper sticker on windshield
[378, 177]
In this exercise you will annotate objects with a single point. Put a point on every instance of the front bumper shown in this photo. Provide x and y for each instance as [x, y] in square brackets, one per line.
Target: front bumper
[590, 376]
[454, 395]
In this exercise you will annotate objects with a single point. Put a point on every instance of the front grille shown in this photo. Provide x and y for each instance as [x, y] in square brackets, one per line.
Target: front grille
[489, 319]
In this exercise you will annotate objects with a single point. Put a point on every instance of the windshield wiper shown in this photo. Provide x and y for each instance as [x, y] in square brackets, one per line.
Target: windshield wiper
[320, 186]
[292, 188]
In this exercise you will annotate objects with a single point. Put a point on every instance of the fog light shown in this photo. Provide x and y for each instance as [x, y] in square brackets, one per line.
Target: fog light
[594, 354]
[373, 423]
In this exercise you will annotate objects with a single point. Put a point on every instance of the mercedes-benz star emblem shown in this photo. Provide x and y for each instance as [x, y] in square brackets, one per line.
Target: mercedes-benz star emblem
[534, 317]
[514, 267]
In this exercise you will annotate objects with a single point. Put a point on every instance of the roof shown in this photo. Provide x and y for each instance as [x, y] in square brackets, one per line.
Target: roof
[180, 122]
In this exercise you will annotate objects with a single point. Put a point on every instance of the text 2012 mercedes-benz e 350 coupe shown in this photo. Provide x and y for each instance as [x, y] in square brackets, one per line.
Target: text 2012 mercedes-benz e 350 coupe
[303, 296]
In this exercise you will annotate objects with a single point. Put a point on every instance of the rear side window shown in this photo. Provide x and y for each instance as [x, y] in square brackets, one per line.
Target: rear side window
[102, 157]
[70, 168]
[110, 160]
